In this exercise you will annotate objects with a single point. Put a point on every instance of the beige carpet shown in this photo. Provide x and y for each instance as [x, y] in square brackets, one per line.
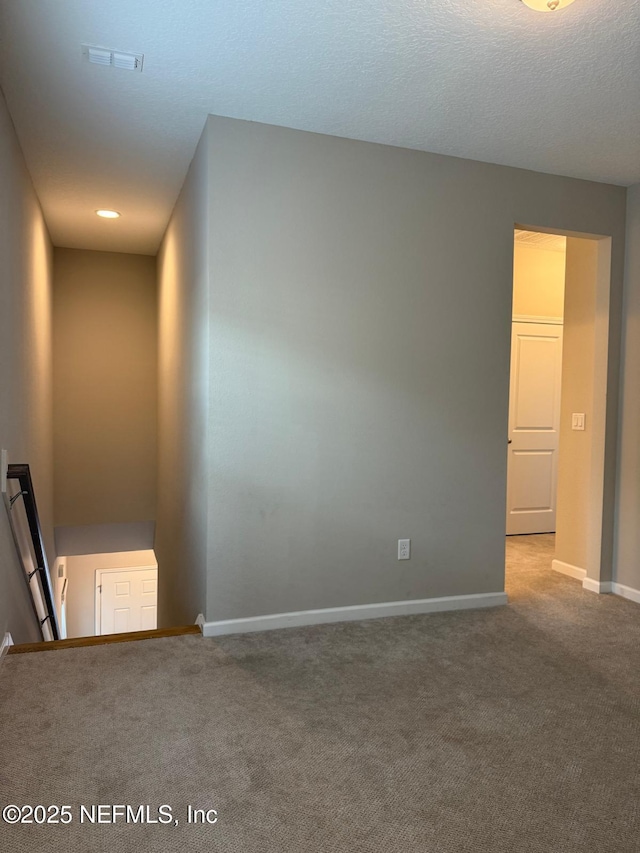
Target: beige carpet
[514, 729]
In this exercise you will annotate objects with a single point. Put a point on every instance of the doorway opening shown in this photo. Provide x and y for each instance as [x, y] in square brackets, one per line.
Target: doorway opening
[535, 382]
[556, 447]
[106, 593]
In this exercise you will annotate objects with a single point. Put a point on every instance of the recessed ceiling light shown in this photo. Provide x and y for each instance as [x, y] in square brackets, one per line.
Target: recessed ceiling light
[108, 214]
[547, 5]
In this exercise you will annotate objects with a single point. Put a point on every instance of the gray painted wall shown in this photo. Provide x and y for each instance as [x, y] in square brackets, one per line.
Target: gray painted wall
[25, 365]
[180, 543]
[359, 333]
[105, 372]
[104, 538]
[627, 563]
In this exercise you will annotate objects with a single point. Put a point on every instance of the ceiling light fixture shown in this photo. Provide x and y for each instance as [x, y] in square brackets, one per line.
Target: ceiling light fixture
[108, 214]
[547, 5]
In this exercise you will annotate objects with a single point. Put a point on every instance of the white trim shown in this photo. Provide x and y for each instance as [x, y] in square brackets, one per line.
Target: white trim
[532, 318]
[626, 592]
[601, 587]
[620, 589]
[200, 622]
[7, 642]
[60, 586]
[353, 613]
[568, 569]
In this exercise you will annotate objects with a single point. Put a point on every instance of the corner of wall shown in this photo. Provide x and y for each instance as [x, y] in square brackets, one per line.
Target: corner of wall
[183, 330]
[627, 530]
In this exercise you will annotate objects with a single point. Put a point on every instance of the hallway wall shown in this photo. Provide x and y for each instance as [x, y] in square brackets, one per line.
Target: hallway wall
[578, 359]
[25, 365]
[105, 387]
[538, 281]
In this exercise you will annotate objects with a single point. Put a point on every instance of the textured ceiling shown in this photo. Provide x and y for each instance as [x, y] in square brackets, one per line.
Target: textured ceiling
[485, 79]
[551, 242]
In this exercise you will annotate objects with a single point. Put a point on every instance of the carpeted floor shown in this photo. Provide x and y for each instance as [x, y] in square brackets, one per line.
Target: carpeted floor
[515, 729]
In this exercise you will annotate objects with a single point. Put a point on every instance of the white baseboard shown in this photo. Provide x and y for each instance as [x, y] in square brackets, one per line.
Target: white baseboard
[600, 587]
[626, 592]
[612, 587]
[7, 642]
[200, 621]
[568, 569]
[353, 613]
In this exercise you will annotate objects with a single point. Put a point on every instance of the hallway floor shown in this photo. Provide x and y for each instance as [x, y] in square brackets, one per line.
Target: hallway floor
[528, 566]
[513, 730]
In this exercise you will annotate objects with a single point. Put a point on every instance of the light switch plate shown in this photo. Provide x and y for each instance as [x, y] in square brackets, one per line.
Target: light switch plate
[577, 420]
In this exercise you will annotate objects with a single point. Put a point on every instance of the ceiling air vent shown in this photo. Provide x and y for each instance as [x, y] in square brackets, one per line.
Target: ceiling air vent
[114, 58]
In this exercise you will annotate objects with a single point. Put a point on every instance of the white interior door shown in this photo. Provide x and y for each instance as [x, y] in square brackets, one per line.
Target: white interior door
[126, 600]
[534, 426]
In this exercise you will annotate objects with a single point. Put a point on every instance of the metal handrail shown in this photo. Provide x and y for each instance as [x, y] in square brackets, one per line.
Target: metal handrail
[22, 474]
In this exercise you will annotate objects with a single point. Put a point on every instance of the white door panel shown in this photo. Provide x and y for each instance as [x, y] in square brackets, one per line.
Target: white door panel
[534, 426]
[533, 480]
[148, 618]
[536, 359]
[121, 621]
[126, 600]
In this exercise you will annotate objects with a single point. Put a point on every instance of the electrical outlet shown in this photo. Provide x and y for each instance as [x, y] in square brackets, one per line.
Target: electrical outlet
[404, 549]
